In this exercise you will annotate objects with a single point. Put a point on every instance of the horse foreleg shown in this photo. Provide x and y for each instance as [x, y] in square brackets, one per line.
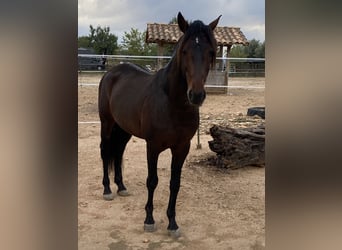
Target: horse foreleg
[179, 154]
[151, 183]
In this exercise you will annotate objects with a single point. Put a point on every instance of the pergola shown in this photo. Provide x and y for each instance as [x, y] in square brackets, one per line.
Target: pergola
[170, 33]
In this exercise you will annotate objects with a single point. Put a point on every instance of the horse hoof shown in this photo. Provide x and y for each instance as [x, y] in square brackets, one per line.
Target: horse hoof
[150, 227]
[108, 197]
[174, 233]
[123, 193]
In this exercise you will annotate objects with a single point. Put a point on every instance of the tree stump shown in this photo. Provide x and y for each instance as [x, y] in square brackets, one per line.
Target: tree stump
[239, 147]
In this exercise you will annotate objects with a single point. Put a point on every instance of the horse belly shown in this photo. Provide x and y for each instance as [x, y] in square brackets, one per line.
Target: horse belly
[126, 110]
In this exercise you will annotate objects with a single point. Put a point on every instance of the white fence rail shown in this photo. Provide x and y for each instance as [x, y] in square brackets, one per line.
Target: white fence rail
[217, 79]
[235, 59]
[134, 58]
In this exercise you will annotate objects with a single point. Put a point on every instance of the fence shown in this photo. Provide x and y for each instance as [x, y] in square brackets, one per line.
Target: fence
[217, 80]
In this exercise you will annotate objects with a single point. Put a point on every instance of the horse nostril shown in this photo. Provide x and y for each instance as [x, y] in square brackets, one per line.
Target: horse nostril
[196, 98]
[191, 95]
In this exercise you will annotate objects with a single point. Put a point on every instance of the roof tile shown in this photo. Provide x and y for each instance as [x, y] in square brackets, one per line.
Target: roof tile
[170, 33]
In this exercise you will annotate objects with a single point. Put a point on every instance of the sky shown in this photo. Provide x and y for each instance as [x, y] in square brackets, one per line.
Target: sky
[122, 15]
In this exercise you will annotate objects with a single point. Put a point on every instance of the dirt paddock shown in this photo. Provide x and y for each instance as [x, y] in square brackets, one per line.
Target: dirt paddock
[216, 208]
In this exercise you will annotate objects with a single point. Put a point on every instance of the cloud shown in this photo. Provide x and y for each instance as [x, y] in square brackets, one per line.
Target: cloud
[122, 15]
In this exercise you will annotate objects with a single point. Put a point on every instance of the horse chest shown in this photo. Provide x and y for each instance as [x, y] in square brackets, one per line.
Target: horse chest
[168, 122]
[183, 133]
[173, 128]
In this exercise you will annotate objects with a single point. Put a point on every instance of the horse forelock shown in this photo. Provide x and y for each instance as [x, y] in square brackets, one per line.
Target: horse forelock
[194, 31]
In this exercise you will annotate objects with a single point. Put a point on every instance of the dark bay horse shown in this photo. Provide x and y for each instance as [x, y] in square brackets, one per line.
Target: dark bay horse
[162, 108]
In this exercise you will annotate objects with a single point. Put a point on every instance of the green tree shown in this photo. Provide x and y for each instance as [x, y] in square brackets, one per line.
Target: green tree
[83, 42]
[254, 49]
[238, 51]
[133, 43]
[251, 48]
[173, 20]
[260, 51]
[100, 39]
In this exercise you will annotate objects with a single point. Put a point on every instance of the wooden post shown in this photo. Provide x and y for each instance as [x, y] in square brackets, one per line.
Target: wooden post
[160, 53]
[199, 145]
[227, 66]
[221, 54]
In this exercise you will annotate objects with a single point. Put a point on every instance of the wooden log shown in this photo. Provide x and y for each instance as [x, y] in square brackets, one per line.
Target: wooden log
[238, 147]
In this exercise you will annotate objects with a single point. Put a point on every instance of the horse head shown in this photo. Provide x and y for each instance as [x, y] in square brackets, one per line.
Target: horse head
[196, 54]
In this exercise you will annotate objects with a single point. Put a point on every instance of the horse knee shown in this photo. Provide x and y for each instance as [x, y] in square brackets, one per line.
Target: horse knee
[174, 185]
[171, 213]
[152, 182]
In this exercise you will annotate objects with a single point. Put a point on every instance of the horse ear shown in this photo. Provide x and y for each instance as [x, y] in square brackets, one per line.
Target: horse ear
[182, 23]
[214, 23]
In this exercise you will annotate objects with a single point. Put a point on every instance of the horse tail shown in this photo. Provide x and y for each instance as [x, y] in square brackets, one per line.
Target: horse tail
[111, 167]
[107, 145]
[111, 154]
[118, 141]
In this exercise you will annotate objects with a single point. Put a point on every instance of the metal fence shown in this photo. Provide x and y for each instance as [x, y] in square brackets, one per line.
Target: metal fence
[236, 65]
[217, 80]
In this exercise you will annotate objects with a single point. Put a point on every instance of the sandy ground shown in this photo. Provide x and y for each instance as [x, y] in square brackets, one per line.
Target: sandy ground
[216, 208]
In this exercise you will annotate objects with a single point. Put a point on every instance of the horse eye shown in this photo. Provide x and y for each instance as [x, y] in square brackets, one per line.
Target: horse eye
[184, 51]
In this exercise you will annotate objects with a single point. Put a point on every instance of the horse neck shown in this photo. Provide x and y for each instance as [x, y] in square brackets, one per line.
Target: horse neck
[176, 83]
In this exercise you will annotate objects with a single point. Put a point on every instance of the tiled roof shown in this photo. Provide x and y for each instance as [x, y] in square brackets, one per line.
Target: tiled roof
[170, 33]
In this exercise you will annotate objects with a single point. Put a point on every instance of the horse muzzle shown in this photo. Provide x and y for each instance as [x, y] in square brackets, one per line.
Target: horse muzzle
[196, 97]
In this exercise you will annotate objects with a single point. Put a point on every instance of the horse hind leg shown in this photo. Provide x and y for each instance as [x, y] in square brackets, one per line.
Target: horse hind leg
[107, 158]
[119, 140]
